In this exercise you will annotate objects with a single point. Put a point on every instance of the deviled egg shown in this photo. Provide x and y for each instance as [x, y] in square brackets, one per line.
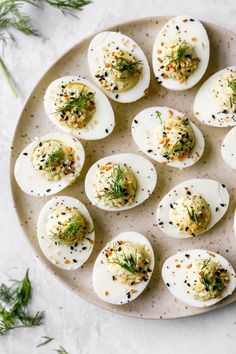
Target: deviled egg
[65, 232]
[199, 277]
[120, 182]
[49, 164]
[168, 137]
[181, 53]
[78, 107]
[228, 148]
[192, 208]
[119, 66]
[123, 268]
[215, 102]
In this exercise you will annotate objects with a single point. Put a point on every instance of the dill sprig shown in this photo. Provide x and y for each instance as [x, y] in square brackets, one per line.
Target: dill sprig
[61, 350]
[76, 104]
[128, 263]
[54, 158]
[68, 6]
[13, 306]
[232, 85]
[46, 340]
[180, 54]
[116, 189]
[123, 64]
[205, 263]
[158, 115]
[13, 19]
[71, 234]
[193, 216]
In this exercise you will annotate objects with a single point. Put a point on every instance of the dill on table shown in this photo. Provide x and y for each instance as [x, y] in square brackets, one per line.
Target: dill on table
[14, 301]
[61, 350]
[13, 19]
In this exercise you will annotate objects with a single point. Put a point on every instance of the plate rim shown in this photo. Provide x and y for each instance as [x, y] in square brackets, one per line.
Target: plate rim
[38, 256]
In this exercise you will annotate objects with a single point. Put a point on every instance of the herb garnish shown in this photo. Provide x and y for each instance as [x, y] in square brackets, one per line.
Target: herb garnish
[12, 18]
[61, 350]
[13, 306]
[46, 341]
[232, 85]
[123, 64]
[206, 262]
[76, 104]
[128, 263]
[158, 115]
[54, 158]
[116, 189]
[194, 216]
[71, 233]
[180, 54]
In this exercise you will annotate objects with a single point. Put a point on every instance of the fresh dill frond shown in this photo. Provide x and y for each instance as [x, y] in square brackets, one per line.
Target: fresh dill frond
[12, 19]
[54, 158]
[180, 54]
[61, 350]
[16, 298]
[232, 85]
[71, 234]
[46, 340]
[193, 216]
[205, 263]
[123, 64]
[116, 189]
[158, 115]
[128, 263]
[76, 104]
[68, 6]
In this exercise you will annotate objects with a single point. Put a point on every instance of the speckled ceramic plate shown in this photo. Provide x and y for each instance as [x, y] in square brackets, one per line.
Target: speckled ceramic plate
[156, 302]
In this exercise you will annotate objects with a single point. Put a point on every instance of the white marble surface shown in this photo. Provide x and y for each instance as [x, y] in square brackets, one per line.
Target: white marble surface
[77, 325]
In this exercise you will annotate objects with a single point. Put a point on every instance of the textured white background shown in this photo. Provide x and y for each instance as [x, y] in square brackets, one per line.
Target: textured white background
[78, 326]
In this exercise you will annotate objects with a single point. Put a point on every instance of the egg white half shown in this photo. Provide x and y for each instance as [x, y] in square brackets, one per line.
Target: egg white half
[215, 194]
[174, 271]
[144, 132]
[143, 170]
[228, 148]
[102, 278]
[101, 123]
[65, 257]
[114, 40]
[206, 108]
[31, 181]
[186, 28]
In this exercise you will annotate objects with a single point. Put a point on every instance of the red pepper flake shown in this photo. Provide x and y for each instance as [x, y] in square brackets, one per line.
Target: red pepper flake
[189, 266]
[211, 254]
[146, 91]
[159, 59]
[194, 39]
[159, 51]
[177, 265]
[67, 261]
[185, 20]
[106, 292]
